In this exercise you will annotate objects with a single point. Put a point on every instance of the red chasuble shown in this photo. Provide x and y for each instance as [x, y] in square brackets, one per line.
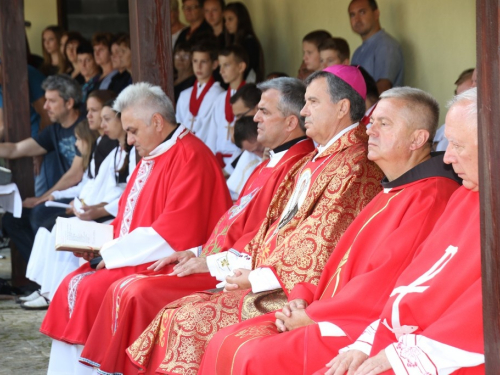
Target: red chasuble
[181, 198]
[295, 243]
[354, 286]
[432, 322]
[132, 303]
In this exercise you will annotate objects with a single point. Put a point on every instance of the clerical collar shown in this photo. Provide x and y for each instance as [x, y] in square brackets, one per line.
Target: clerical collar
[171, 134]
[276, 154]
[321, 149]
[285, 146]
[167, 143]
[434, 167]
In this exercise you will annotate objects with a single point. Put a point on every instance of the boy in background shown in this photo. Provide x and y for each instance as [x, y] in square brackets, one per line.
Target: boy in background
[195, 104]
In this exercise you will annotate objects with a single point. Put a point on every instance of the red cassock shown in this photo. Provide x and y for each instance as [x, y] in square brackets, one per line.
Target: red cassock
[180, 193]
[436, 307]
[356, 283]
[132, 302]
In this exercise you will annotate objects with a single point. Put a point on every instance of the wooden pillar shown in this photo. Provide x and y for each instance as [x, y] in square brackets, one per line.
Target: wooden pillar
[16, 110]
[488, 65]
[151, 43]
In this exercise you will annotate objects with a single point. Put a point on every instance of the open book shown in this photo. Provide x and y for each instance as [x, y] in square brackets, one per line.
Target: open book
[78, 235]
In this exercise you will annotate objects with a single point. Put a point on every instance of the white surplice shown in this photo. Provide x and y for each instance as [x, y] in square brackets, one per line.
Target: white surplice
[224, 145]
[202, 125]
[247, 163]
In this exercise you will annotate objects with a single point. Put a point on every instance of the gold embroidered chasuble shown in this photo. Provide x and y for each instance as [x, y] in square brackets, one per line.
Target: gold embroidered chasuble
[296, 248]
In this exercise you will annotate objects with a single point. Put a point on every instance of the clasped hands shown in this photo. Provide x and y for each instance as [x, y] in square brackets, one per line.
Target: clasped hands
[293, 316]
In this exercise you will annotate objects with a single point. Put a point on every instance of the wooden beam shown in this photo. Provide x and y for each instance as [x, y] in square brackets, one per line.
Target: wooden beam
[16, 103]
[488, 65]
[151, 43]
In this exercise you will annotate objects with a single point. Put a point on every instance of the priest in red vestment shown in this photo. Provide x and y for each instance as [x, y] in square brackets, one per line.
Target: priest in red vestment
[432, 323]
[306, 218]
[131, 303]
[368, 259]
[172, 202]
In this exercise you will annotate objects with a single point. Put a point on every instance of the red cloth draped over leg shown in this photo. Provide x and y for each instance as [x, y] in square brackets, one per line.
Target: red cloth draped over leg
[130, 302]
[80, 302]
[259, 336]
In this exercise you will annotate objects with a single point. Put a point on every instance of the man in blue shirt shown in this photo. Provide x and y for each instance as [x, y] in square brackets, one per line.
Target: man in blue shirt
[64, 167]
[380, 54]
[38, 119]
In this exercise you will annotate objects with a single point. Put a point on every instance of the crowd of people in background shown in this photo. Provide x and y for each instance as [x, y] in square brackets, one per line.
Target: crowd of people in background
[263, 186]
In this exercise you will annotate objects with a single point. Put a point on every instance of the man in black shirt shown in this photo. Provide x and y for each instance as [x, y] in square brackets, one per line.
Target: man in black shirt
[198, 27]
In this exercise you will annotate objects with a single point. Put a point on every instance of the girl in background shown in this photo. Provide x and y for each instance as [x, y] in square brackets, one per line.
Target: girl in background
[73, 40]
[239, 30]
[53, 59]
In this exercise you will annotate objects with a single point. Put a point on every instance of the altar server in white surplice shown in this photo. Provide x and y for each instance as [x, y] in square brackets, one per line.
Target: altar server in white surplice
[194, 107]
[232, 62]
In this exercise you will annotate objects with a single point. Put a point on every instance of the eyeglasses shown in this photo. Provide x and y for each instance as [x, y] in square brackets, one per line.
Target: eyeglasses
[240, 115]
[185, 56]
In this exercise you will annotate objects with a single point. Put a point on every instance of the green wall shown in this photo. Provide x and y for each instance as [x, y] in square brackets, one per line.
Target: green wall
[438, 37]
[41, 13]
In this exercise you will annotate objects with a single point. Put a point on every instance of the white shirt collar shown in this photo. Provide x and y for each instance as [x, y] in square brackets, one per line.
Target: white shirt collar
[321, 149]
[274, 158]
[199, 89]
[165, 146]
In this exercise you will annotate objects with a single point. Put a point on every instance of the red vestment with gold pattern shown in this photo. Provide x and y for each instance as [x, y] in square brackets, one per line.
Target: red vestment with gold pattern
[303, 224]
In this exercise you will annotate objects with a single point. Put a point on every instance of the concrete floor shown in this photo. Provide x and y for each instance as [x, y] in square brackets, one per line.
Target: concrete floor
[23, 349]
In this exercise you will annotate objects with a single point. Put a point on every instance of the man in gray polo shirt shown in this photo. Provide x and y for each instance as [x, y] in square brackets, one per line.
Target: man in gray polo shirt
[380, 54]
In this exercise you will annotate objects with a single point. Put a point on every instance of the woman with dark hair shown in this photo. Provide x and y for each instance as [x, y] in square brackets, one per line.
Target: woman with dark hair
[121, 59]
[185, 77]
[239, 30]
[73, 41]
[53, 59]
[214, 15]
[103, 145]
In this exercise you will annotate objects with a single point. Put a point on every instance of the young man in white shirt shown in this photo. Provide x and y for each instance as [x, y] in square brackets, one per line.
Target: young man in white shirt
[233, 61]
[194, 107]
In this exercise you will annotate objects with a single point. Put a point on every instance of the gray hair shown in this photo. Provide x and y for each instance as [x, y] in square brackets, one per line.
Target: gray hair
[150, 98]
[422, 107]
[292, 92]
[66, 86]
[338, 90]
[469, 99]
